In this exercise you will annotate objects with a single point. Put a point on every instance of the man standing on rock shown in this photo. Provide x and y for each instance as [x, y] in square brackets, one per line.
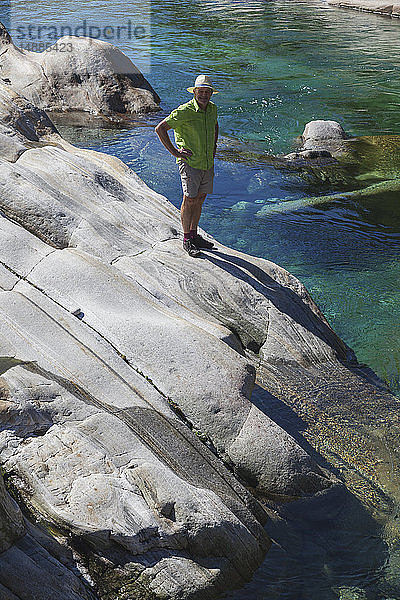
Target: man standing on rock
[196, 132]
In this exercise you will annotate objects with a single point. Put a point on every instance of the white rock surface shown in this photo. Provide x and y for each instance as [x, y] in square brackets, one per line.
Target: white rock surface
[98, 453]
[94, 448]
[122, 231]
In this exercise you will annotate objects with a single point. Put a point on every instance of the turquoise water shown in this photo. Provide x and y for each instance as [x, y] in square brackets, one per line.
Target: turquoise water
[279, 65]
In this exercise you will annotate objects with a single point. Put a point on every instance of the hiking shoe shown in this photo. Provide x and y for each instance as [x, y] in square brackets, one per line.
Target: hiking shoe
[191, 248]
[201, 242]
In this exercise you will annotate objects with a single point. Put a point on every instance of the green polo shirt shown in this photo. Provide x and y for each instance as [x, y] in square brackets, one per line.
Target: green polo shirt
[194, 128]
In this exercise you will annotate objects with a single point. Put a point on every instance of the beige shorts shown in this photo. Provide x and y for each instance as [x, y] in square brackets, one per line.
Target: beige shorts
[195, 181]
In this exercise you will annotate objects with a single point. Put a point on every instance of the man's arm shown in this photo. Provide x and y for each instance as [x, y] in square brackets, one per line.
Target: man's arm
[162, 132]
[216, 138]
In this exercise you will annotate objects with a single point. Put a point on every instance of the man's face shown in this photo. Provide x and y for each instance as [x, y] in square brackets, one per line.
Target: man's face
[203, 96]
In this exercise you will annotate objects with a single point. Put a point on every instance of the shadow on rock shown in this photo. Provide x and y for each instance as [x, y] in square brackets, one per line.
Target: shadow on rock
[283, 298]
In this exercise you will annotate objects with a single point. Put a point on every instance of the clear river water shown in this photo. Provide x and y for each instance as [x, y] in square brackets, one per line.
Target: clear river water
[277, 65]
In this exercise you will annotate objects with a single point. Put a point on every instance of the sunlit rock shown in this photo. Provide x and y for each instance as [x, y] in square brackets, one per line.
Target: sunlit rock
[124, 252]
[32, 563]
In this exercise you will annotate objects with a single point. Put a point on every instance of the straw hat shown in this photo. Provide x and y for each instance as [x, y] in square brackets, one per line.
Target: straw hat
[202, 81]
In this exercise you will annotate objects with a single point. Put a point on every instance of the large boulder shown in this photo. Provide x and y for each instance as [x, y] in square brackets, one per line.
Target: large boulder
[320, 145]
[92, 77]
[133, 374]
[130, 373]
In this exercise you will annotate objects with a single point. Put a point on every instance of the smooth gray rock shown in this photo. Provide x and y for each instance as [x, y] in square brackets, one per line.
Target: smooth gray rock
[75, 397]
[93, 77]
[151, 338]
[37, 566]
[319, 136]
[22, 119]
[97, 450]
[32, 564]
[12, 145]
[97, 455]
[21, 124]
[121, 232]
[88, 430]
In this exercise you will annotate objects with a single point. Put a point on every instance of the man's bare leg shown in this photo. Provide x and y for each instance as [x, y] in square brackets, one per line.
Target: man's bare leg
[190, 217]
[197, 211]
[188, 212]
[198, 240]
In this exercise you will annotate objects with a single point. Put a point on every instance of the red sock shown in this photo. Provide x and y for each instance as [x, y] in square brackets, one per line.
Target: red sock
[193, 233]
[186, 236]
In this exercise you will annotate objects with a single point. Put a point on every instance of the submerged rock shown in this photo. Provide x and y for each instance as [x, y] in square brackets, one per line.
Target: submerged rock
[92, 77]
[362, 167]
[110, 248]
[372, 164]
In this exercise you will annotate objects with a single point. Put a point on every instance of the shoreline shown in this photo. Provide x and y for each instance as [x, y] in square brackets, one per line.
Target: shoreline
[375, 7]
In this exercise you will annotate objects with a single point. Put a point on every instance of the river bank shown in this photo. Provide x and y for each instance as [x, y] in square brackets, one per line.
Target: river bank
[374, 6]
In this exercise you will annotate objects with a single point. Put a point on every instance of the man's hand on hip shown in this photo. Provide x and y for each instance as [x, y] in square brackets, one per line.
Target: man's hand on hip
[183, 153]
